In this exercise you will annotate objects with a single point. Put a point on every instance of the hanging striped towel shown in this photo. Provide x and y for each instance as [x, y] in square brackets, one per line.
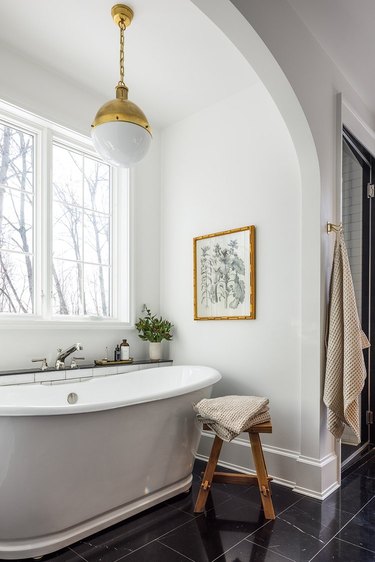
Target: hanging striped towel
[345, 367]
[227, 416]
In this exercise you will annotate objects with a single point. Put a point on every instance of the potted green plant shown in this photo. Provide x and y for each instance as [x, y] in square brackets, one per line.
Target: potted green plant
[154, 330]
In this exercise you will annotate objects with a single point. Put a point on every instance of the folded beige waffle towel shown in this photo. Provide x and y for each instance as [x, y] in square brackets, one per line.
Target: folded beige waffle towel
[227, 416]
[345, 368]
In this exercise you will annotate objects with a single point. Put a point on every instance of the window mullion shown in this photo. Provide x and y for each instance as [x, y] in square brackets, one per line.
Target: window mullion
[83, 221]
[114, 239]
[120, 244]
[37, 226]
[47, 223]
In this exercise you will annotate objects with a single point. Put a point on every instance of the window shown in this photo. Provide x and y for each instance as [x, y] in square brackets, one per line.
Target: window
[60, 235]
[16, 220]
[81, 227]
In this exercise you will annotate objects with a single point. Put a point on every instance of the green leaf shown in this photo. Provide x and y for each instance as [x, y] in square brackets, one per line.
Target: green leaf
[154, 329]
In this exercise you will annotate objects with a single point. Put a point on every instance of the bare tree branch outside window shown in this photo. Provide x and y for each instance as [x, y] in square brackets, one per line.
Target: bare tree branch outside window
[81, 269]
[16, 220]
[81, 237]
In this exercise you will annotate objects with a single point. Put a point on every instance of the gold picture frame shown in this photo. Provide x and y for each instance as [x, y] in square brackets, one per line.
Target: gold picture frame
[224, 275]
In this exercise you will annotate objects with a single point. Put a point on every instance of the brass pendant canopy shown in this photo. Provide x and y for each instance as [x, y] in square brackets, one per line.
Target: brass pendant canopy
[121, 13]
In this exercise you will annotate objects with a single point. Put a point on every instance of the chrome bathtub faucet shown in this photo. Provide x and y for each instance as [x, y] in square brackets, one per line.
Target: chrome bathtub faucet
[62, 355]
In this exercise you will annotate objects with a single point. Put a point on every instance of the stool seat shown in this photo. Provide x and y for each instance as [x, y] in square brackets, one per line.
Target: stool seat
[261, 478]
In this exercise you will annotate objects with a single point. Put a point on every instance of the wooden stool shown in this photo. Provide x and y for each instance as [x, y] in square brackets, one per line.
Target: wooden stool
[261, 477]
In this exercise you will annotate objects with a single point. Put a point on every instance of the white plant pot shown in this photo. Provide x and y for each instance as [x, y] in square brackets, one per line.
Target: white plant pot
[155, 350]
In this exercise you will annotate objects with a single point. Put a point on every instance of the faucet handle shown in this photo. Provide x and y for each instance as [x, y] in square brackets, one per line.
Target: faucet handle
[44, 364]
[73, 364]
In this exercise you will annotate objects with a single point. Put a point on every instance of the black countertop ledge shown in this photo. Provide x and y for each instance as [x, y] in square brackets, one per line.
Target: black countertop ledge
[81, 367]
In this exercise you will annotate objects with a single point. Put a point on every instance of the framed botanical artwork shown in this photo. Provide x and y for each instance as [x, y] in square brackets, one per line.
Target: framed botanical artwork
[224, 275]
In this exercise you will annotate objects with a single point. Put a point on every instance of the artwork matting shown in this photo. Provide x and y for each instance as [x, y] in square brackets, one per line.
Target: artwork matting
[224, 275]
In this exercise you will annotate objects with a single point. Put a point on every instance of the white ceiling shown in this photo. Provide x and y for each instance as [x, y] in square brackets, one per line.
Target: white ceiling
[176, 61]
[345, 30]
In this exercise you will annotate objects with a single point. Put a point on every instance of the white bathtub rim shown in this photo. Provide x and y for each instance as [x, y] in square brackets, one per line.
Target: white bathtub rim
[35, 547]
[211, 376]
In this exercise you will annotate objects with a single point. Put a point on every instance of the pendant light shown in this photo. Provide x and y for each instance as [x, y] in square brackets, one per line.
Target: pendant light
[120, 132]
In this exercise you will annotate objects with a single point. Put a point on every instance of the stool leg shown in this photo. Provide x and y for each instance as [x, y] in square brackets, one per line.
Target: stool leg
[262, 475]
[208, 475]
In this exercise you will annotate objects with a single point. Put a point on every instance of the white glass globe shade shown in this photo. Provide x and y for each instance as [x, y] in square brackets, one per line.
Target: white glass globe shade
[120, 143]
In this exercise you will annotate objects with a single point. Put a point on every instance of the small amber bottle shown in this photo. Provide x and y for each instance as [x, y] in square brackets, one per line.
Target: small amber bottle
[124, 351]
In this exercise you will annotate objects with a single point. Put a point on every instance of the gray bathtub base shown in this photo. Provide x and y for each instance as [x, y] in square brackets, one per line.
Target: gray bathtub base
[39, 546]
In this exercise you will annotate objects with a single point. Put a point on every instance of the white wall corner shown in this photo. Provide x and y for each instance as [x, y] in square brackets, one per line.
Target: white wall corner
[316, 478]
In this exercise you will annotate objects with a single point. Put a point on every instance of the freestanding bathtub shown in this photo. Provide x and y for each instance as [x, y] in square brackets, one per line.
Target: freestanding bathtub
[124, 443]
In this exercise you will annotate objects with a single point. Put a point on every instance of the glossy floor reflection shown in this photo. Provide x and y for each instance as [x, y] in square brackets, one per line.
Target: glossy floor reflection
[233, 529]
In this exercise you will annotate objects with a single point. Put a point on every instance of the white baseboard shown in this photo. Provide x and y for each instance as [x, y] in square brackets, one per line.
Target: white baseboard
[317, 495]
[311, 477]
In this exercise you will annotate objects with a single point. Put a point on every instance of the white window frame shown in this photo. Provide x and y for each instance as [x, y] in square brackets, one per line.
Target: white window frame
[45, 133]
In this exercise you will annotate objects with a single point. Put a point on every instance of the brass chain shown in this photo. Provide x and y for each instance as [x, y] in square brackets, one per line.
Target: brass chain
[122, 27]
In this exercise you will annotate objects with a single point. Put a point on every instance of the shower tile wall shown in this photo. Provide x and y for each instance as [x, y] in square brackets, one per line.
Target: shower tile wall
[352, 217]
[352, 224]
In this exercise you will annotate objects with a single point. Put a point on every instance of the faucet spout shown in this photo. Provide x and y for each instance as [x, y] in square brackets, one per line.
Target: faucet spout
[62, 355]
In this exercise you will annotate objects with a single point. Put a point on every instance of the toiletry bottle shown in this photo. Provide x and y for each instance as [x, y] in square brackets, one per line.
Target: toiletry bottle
[117, 353]
[124, 351]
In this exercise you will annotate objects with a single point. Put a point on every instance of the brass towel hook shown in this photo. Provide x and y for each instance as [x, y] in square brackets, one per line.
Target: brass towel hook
[333, 227]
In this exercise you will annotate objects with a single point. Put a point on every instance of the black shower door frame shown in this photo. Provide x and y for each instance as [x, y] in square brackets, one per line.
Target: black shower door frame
[367, 162]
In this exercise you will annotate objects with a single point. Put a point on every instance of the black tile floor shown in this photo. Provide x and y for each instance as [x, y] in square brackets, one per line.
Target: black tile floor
[233, 529]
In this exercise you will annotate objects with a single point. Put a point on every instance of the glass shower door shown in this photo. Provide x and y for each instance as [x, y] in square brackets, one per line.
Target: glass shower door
[357, 226]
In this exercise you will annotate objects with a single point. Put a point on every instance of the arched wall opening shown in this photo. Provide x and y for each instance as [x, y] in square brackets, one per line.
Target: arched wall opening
[294, 454]
[216, 174]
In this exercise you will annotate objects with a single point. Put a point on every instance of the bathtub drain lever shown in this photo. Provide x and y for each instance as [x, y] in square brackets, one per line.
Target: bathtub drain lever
[73, 364]
[44, 365]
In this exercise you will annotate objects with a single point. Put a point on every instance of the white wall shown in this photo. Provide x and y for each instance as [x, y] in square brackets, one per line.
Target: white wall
[304, 88]
[41, 91]
[316, 81]
[229, 166]
[304, 83]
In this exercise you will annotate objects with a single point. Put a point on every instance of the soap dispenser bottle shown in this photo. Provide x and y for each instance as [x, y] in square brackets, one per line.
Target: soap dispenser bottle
[124, 351]
[117, 353]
